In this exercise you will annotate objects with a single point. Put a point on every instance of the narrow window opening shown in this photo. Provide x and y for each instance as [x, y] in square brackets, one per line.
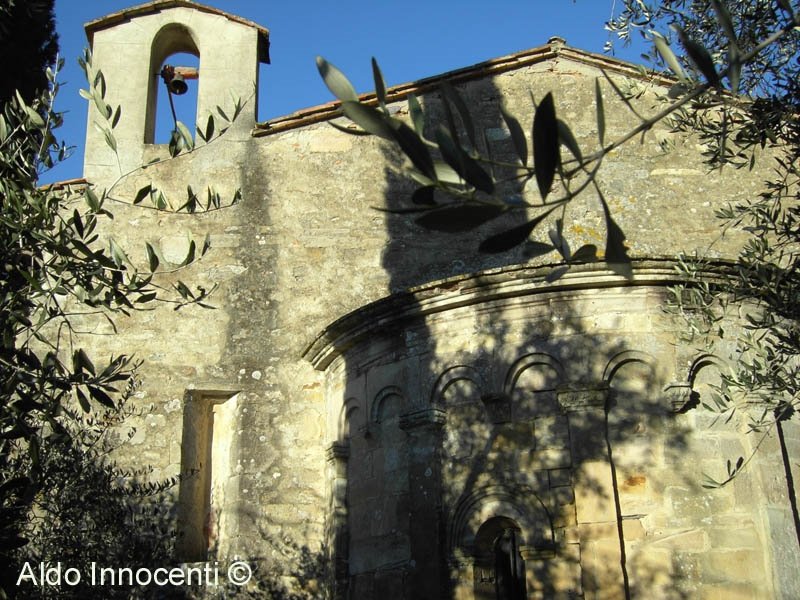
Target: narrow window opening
[205, 490]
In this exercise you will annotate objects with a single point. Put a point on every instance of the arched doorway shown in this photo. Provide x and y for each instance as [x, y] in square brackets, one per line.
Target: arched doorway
[499, 567]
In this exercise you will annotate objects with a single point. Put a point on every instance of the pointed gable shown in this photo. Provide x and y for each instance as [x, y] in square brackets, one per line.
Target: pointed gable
[159, 5]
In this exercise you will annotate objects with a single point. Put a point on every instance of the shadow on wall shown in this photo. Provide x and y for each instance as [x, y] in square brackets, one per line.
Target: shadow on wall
[284, 569]
[526, 444]
[510, 449]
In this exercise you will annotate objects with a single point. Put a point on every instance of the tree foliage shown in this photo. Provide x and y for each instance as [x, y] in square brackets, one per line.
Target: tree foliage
[28, 46]
[764, 284]
[461, 187]
[87, 509]
[58, 404]
[736, 72]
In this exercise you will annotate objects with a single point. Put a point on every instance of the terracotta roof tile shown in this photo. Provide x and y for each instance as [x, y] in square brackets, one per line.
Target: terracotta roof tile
[555, 49]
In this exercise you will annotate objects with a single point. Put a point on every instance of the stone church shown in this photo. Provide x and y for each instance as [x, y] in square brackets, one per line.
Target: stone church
[427, 421]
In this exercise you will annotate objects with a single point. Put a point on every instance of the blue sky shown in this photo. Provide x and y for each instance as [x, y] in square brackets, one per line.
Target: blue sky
[410, 39]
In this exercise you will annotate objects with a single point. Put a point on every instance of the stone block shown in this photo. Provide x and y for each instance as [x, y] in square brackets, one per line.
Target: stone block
[684, 541]
[550, 458]
[571, 535]
[636, 452]
[557, 579]
[733, 592]
[633, 484]
[601, 572]
[512, 436]
[632, 529]
[590, 532]
[782, 536]
[563, 495]
[565, 516]
[732, 566]
[594, 493]
[551, 432]
[734, 538]
[560, 477]
[687, 568]
[530, 404]
[651, 573]
[692, 506]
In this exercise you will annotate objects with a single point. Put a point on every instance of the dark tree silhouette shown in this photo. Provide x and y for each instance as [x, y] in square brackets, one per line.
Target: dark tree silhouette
[28, 45]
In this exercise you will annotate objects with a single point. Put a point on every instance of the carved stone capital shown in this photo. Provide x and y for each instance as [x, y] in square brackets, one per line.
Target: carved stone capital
[337, 451]
[679, 394]
[498, 406]
[541, 551]
[426, 418]
[460, 559]
[578, 399]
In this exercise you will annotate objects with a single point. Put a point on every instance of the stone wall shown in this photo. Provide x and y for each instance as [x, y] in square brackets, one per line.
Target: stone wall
[578, 422]
[387, 441]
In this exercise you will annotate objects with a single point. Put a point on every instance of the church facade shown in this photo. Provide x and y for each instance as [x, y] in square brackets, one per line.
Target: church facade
[425, 421]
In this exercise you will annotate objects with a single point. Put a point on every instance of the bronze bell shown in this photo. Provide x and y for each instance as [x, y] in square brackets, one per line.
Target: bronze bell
[175, 78]
[177, 85]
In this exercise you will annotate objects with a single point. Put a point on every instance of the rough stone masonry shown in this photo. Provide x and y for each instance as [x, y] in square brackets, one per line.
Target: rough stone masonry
[426, 421]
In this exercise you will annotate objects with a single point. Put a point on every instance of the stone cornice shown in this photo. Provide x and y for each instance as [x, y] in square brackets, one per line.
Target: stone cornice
[481, 288]
[337, 451]
[426, 418]
[580, 399]
[679, 394]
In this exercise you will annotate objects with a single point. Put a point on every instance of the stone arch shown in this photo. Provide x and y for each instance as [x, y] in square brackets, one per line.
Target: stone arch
[703, 361]
[347, 416]
[172, 38]
[632, 404]
[380, 400]
[528, 361]
[488, 530]
[477, 522]
[499, 567]
[634, 410]
[453, 375]
[705, 372]
[625, 357]
[519, 503]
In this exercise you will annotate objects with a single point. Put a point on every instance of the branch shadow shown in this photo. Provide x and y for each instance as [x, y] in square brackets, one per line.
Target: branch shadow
[537, 416]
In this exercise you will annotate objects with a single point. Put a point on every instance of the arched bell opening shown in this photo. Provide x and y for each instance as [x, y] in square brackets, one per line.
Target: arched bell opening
[174, 83]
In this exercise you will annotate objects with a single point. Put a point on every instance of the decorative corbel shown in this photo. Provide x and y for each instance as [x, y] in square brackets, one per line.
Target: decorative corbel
[679, 394]
[498, 406]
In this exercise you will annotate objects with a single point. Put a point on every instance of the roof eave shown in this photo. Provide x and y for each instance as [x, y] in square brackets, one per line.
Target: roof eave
[492, 67]
[158, 5]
